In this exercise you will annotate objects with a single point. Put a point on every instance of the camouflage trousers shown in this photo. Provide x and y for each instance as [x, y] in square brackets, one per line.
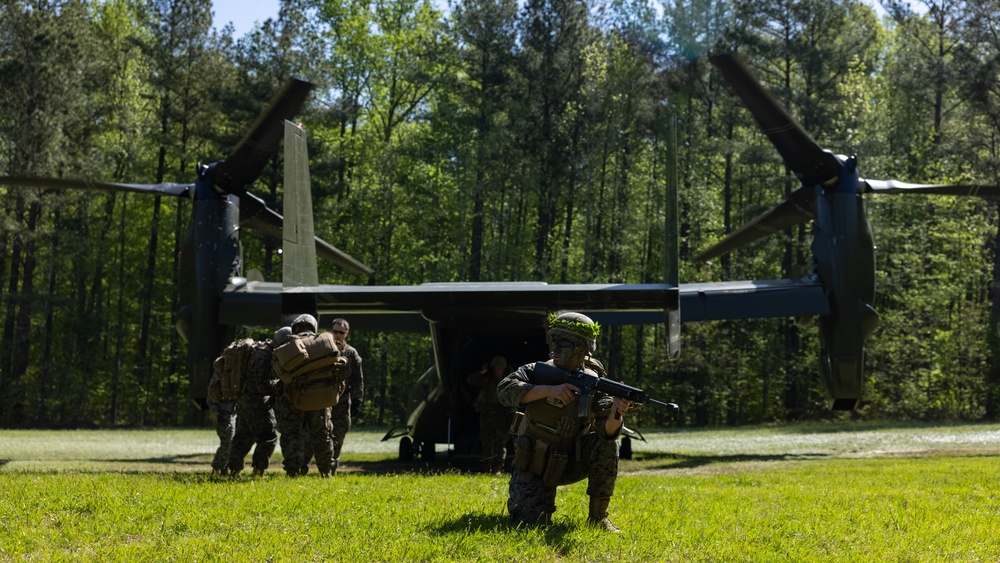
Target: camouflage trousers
[298, 428]
[255, 424]
[225, 428]
[340, 416]
[532, 502]
[494, 431]
[340, 421]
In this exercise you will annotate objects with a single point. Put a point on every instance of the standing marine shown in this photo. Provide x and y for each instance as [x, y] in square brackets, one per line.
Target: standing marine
[255, 420]
[299, 426]
[352, 399]
[559, 443]
[350, 405]
[223, 414]
[494, 417]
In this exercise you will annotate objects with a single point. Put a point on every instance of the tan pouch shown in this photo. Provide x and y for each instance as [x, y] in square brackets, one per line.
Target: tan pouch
[524, 448]
[539, 458]
[554, 470]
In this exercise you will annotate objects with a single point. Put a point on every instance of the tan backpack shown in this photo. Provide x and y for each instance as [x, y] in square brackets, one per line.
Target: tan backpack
[313, 369]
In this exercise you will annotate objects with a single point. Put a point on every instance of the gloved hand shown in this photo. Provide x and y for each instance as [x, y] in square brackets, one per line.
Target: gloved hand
[356, 410]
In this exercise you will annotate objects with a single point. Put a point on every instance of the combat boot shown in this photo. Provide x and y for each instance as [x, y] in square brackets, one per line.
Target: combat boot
[599, 515]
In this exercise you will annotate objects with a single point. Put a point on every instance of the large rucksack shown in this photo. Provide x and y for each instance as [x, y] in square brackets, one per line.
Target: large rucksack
[313, 369]
[232, 366]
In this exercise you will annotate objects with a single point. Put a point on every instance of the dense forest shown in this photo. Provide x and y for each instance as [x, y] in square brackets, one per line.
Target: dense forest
[500, 140]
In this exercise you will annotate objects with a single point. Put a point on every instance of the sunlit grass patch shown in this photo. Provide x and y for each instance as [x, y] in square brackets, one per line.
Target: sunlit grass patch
[699, 496]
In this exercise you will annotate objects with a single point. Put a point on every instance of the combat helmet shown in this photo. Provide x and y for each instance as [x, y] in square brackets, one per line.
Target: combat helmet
[575, 327]
[305, 320]
[282, 335]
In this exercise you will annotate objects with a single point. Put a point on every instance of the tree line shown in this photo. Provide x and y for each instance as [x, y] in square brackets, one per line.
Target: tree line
[494, 141]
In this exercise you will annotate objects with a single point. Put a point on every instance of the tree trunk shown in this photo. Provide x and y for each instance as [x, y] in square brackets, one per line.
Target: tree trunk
[45, 376]
[23, 331]
[993, 334]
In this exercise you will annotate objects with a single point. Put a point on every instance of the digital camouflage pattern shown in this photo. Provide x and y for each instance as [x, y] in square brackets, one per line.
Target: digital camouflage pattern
[299, 428]
[350, 402]
[224, 414]
[255, 419]
[342, 414]
[530, 501]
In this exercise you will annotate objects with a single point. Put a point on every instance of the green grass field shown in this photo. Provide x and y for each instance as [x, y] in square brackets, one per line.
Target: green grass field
[788, 493]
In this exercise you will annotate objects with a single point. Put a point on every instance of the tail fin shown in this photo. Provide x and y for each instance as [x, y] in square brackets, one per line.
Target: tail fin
[299, 244]
[298, 241]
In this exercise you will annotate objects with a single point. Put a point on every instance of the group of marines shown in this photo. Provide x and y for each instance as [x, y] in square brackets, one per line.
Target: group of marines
[263, 408]
[561, 435]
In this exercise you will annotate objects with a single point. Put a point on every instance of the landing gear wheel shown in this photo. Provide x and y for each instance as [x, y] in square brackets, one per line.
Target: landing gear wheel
[405, 449]
[625, 451]
[427, 451]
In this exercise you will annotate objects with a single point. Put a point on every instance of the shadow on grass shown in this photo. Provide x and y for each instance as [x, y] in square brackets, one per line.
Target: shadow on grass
[393, 466]
[831, 427]
[183, 463]
[554, 534]
[663, 460]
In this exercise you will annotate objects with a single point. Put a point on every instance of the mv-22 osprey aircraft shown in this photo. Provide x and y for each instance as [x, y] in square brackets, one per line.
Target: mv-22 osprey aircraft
[469, 322]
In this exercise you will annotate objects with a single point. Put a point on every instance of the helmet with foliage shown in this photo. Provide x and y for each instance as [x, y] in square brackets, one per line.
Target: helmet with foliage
[304, 320]
[575, 327]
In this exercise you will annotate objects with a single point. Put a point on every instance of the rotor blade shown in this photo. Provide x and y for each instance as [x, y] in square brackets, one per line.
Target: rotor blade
[244, 165]
[894, 187]
[803, 156]
[795, 210]
[166, 188]
[256, 215]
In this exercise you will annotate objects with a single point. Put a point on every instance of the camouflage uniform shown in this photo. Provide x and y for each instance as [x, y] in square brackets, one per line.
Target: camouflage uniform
[596, 459]
[299, 430]
[494, 417]
[350, 402]
[224, 415]
[347, 408]
[255, 421]
[298, 427]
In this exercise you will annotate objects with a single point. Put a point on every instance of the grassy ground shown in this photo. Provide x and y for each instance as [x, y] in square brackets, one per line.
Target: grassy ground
[802, 493]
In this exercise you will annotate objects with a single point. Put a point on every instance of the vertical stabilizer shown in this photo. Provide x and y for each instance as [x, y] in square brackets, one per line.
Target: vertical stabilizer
[299, 244]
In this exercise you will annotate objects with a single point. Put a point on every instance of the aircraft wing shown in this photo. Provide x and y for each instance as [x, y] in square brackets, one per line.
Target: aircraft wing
[405, 307]
[408, 308]
[735, 300]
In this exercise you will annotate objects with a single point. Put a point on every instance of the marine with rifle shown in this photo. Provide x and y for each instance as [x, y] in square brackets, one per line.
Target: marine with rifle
[567, 432]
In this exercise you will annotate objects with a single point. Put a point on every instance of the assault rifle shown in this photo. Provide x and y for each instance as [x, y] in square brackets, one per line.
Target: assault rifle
[548, 374]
